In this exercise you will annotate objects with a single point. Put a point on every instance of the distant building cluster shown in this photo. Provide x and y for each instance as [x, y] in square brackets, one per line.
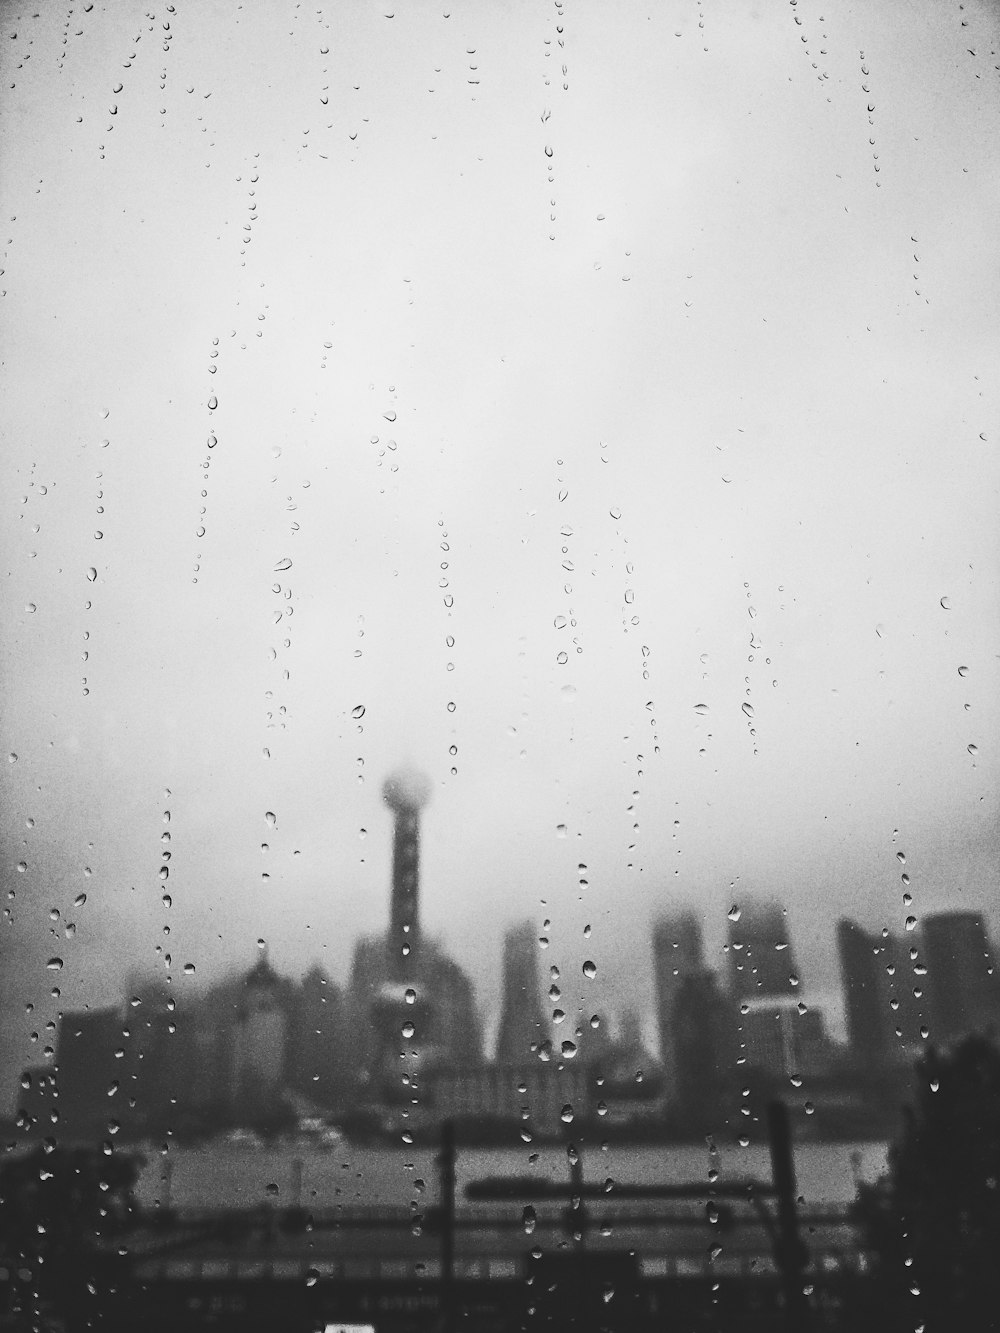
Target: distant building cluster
[753, 1027]
[401, 1045]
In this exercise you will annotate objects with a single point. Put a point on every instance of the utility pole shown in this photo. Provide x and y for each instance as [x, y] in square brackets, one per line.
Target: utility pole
[446, 1164]
[789, 1251]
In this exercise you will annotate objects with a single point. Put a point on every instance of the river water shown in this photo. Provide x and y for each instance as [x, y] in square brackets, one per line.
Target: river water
[236, 1176]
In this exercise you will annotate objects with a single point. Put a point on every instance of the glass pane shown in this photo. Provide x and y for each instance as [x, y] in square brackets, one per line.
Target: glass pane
[501, 629]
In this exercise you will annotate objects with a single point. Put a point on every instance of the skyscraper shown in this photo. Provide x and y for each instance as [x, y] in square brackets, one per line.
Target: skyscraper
[259, 1039]
[962, 980]
[522, 1020]
[88, 1075]
[761, 962]
[450, 1032]
[884, 1008]
[677, 956]
[316, 1041]
[695, 1021]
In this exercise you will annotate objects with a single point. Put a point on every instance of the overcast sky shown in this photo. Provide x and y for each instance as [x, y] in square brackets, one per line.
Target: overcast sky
[602, 398]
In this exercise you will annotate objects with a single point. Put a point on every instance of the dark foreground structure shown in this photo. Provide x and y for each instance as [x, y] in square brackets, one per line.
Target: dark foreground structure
[512, 1253]
[917, 1250]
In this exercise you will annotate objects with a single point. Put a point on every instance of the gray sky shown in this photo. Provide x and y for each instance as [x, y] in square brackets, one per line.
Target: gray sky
[706, 298]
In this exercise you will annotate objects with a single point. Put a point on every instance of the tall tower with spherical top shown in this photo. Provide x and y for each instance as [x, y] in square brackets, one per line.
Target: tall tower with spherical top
[401, 1011]
[405, 792]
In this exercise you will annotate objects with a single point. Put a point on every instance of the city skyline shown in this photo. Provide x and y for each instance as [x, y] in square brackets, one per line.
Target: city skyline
[763, 914]
[259, 1049]
[615, 445]
[877, 972]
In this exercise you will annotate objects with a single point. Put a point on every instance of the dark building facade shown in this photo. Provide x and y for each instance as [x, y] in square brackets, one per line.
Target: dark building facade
[695, 1021]
[523, 1026]
[884, 1003]
[677, 957]
[761, 962]
[92, 1093]
[961, 980]
[450, 1034]
[318, 1063]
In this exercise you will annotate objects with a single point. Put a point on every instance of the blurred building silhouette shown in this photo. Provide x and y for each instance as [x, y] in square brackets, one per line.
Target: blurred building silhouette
[761, 962]
[594, 1043]
[89, 1073]
[780, 1039]
[260, 1034]
[37, 1102]
[543, 1096]
[695, 1022]
[452, 1033]
[677, 957]
[318, 1049]
[523, 1027]
[884, 1015]
[962, 982]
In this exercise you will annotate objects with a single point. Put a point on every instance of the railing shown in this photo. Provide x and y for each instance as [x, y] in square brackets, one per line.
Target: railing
[759, 1221]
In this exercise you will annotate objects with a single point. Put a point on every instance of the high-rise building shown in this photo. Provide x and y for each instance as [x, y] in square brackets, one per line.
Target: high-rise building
[883, 998]
[317, 1041]
[782, 1039]
[594, 1044]
[761, 962]
[455, 1030]
[38, 1102]
[260, 1040]
[523, 1027]
[695, 1022]
[677, 957]
[705, 1050]
[962, 980]
[88, 1073]
[449, 1036]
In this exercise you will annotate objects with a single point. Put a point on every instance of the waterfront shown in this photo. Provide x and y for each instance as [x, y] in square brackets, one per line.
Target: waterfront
[226, 1176]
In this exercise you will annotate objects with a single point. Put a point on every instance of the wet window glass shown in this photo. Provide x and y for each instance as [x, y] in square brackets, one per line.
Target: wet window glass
[500, 592]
